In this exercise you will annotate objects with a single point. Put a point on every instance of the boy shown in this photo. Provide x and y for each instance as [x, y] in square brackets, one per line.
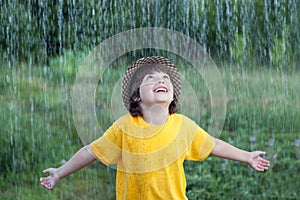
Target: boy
[150, 144]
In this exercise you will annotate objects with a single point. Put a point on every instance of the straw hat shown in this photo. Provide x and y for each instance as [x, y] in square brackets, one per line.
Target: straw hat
[171, 70]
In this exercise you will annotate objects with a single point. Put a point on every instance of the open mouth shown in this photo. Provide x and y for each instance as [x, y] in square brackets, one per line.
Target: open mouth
[161, 90]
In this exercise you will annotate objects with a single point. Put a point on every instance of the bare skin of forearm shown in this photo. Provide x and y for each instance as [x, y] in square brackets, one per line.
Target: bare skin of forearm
[227, 151]
[79, 160]
[253, 159]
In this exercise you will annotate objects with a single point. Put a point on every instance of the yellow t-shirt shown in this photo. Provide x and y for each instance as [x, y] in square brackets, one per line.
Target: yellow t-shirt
[150, 158]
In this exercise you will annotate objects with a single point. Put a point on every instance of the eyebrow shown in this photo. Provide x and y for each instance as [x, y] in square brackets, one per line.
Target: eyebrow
[151, 73]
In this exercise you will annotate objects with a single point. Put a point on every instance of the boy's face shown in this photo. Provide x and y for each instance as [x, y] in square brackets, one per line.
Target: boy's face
[156, 88]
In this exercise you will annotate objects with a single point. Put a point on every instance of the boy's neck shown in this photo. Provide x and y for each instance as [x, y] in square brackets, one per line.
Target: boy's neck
[156, 115]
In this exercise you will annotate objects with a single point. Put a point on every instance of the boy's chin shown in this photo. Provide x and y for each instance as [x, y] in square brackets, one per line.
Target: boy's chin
[165, 101]
[161, 103]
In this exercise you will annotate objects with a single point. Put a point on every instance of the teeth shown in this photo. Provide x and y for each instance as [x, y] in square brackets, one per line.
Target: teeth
[161, 90]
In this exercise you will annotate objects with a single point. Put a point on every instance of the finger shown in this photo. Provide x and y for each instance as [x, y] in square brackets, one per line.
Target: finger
[48, 186]
[46, 171]
[259, 168]
[264, 168]
[49, 170]
[264, 161]
[263, 165]
[45, 185]
[261, 153]
[44, 182]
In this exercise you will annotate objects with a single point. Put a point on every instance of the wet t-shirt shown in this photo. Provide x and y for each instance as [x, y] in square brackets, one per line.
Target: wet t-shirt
[150, 158]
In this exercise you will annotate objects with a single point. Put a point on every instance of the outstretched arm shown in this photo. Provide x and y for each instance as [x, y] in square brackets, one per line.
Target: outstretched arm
[79, 160]
[253, 159]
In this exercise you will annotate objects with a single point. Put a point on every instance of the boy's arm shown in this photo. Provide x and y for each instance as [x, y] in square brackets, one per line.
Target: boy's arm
[253, 159]
[79, 160]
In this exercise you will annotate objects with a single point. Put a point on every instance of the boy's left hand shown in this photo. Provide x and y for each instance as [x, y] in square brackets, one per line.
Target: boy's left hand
[51, 181]
[257, 162]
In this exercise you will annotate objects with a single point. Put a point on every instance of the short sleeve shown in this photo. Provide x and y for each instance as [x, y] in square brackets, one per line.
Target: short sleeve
[201, 147]
[107, 148]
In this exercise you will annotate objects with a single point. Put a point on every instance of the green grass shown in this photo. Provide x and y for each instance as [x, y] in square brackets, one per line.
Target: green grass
[222, 179]
[94, 181]
[264, 99]
[37, 131]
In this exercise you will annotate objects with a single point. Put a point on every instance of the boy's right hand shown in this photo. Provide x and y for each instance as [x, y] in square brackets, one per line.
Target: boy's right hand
[52, 180]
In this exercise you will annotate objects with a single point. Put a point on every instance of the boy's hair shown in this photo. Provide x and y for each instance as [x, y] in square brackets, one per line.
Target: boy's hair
[134, 76]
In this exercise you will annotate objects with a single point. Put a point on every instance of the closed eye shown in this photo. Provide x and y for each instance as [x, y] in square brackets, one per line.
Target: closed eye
[149, 77]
